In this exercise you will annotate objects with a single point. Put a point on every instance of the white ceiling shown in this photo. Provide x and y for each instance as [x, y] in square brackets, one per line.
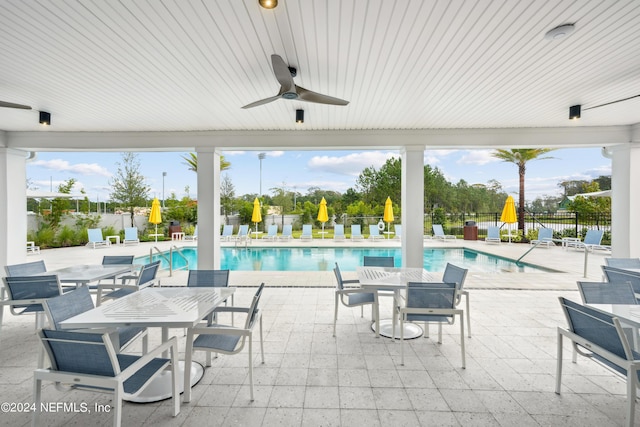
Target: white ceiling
[184, 65]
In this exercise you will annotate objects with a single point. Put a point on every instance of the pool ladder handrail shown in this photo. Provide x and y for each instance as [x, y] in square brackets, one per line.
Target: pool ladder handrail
[170, 259]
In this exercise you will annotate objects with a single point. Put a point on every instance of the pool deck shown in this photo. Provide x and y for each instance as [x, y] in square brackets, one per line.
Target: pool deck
[311, 378]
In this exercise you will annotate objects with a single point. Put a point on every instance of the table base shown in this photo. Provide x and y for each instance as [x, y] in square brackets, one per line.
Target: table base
[411, 330]
[160, 387]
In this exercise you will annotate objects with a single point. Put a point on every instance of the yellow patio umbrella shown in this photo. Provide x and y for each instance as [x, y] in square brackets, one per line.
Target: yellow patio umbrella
[509, 215]
[388, 214]
[155, 217]
[323, 215]
[256, 216]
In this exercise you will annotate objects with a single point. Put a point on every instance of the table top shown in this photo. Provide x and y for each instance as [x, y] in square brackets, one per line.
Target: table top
[629, 314]
[180, 307]
[90, 272]
[391, 277]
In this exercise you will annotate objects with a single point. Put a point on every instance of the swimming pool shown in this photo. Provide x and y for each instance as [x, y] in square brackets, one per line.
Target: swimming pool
[324, 259]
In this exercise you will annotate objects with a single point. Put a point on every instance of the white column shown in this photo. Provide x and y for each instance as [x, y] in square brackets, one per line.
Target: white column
[625, 199]
[412, 206]
[13, 207]
[208, 209]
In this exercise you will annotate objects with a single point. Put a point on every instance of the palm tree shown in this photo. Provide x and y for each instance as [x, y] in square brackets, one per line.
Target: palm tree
[520, 157]
[192, 162]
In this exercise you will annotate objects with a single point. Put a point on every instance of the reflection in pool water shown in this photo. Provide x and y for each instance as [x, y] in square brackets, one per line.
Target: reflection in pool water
[323, 259]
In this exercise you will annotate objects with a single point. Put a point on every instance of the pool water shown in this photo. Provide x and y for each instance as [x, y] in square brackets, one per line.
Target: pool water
[324, 259]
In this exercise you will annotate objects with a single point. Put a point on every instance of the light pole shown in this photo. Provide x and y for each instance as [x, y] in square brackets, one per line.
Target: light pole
[163, 175]
[261, 156]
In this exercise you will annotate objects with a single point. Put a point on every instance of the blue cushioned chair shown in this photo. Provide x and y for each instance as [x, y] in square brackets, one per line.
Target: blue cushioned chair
[618, 275]
[26, 294]
[356, 233]
[338, 232]
[146, 278]
[623, 262]
[378, 261]
[131, 236]
[457, 275]
[212, 279]
[26, 269]
[607, 293]
[354, 297]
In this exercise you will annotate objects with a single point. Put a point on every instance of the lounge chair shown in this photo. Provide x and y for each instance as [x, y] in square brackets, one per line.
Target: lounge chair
[227, 233]
[545, 237]
[96, 239]
[286, 232]
[398, 231]
[306, 232]
[438, 233]
[272, 233]
[131, 236]
[243, 233]
[194, 236]
[493, 235]
[374, 233]
[338, 232]
[356, 233]
[592, 241]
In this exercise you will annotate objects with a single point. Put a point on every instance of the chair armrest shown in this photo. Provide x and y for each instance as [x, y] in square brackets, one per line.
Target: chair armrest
[220, 330]
[172, 344]
[230, 309]
[355, 291]
[350, 281]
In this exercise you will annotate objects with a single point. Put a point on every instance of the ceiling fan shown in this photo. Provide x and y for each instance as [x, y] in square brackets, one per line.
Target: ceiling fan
[289, 90]
[10, 105]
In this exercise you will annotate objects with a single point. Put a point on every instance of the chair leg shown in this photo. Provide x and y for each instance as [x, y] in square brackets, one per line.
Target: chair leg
[464, 361]
[175, 391]
[632, 384]
[426, 330]
[261, 341]
[439, 332]
[361, 311]
[251, 364]
[37, 397]
[335, 316]
[401, 338]
[117, 405]
[468, 316]
[559, 364]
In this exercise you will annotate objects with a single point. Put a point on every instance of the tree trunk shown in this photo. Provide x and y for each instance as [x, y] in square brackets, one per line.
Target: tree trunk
[521, 172]
[132, 214]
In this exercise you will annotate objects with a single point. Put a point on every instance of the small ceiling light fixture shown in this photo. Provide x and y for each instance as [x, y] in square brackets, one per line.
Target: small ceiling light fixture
[268, 4]
[45, 118]
[559, 32]
[299, 116]
[574, 112]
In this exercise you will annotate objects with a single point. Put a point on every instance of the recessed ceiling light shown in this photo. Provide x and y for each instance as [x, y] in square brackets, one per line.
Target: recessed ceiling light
[559, 32]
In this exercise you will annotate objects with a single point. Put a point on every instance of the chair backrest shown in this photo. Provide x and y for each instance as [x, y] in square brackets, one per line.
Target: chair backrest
[622, 262]
[253, 309]
[373, 230]
[438, 230]
[306, 229]
[593, 237]
[243, 230]
[195, 231]
[131, 233]
[208, 278]
[398, 230]
[117, 259]
[272, 230]
[22, 288]
[455, 274]
[545, 234]
[493, 232]
[227, 230]
[287, 230]
[596, 327]
[79, 352]
[431, 295]
[67, 305]
[620, 275]
[356, 230]
[95, 235]
[378, 261]
[148, 273]
[607, 293]
[338, 230]
[26, 268]
[339, 283]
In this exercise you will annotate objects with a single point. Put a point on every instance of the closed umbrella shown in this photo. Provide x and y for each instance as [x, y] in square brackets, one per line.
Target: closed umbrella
[256, 216]
[323, 215]
[155, 217]
[388, 214]
[509, 214]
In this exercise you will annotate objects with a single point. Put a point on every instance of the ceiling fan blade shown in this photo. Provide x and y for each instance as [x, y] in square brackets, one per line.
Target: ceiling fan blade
[10, 105]
[262, 102]
[318, 98]
[281, 70]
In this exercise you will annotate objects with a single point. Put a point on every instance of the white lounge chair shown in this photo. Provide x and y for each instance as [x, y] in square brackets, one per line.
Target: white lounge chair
[398, 231]
[374, 233]
[227, 233]
[545, 237]
[131, 236]
[338, 232]
[272, 233]
[95, 238]
[493, 235]
[243, 232]
[306, 232]
[356, 233]
[286, 232]
[438, 233]
[194, 236]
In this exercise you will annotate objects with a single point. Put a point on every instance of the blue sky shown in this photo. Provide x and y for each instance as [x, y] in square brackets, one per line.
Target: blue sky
[299, 170]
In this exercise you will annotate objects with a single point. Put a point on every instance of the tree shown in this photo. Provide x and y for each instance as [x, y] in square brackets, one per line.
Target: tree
[192, 162]
[520, 157]
[227, 196]
[60, 205]
[283, 199]
[128, 185]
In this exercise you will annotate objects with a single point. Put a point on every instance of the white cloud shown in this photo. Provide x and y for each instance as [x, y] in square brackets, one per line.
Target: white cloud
[275, 153]
[350, 164]
[60, 165]
[477, 157]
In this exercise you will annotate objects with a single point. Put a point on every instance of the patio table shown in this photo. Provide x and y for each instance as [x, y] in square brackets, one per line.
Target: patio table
[85, 274]
[394, 279]
[179, 307]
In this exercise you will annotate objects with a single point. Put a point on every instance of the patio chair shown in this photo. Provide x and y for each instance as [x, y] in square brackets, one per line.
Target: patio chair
[223, 339]
[618, 275]
[131, 236]
[354, 297]
[78, 301]
[398, 231]
[338, 233]
[430, 302]
[118, 260]
[545, 237]
[146, 278]
[25, 295]
[272, 233]
[307, 233]
[623, 262]
[356, 233]
[438, 233]
[599, 336]
[95, 238]
[378, 261]
[493, 235]
[374, 233]
[227, 233]
[193, 237]
[89, 362]
[286, 232]
[457, 275]
[26, 268]
[607, 293]
[212, 279]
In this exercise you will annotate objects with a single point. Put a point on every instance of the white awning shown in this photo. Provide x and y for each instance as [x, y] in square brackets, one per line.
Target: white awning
[605, 193]
[39, 194]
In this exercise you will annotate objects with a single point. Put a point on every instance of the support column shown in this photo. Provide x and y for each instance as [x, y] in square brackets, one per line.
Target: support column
[412, 206]
[625, 199]
[208, 208]
[13, 208]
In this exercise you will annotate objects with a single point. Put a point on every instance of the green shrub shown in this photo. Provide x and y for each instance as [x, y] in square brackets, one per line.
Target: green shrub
[45, 237]
[66, 236]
